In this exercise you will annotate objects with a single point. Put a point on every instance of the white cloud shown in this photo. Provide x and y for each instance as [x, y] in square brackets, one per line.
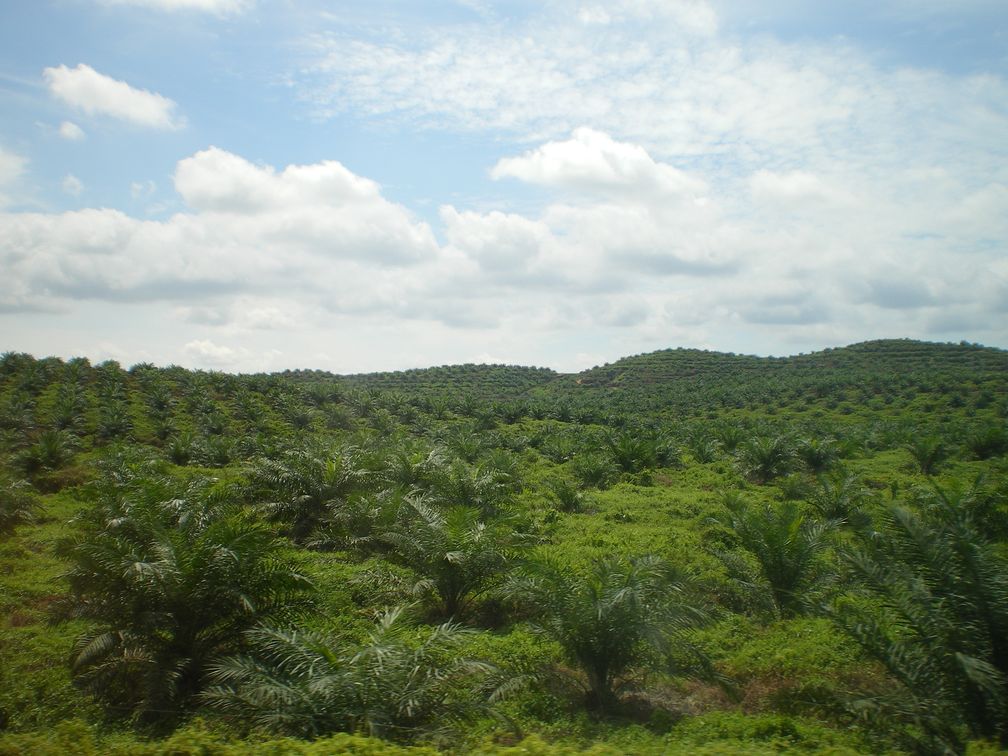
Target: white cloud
[323, 208]
[693, 16]
[95, 93]
[71, 131]
[794, 186]
[72, 185]
[497, 241]
[205, 353]
[216, 180]
[592, 161]
[624, 258]
[318, 230]
[219, 7]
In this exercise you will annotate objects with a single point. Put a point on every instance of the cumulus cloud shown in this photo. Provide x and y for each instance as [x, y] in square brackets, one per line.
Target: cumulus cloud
[795, 187]
[205, 353]
[704, 172]
[898, 293]
[323, 208]
[317, 230]
[497, 241]
[694, 16]
[593, 161]
[694, 97]
[71, 131]
[626, 216]
[97, 94]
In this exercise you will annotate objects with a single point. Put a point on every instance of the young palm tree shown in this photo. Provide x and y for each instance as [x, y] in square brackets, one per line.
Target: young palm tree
[458, 557]
[406, 467]
[396, 685]
[632, 452]
[937, 619]
[818, 454]
[764, 458]
[611, 619]
[985, 505]
[987, 441]
[841, 496]
[593, 469]
[52, 450]
[307, 487]
[18, 504]
[68, 411]
[786, 544]
[929, 452]
[462, 485]
[168, 589]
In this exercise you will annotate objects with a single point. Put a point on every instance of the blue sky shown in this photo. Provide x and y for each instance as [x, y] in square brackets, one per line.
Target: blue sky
[254, 185]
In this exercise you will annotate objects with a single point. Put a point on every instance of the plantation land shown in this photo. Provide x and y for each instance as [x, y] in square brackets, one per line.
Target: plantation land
[679, 552]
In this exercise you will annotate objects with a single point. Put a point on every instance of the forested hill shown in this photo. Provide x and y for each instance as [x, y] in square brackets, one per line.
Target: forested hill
[894, 372]
[890, 374]
[906, 361]
[882, 358]
[887, 377]
[489, 381]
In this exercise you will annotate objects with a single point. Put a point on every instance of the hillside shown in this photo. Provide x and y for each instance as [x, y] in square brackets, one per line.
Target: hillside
[690, 381]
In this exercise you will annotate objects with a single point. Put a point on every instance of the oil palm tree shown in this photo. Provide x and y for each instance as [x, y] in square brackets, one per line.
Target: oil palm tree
[785, 543]
[308, 486]
[169, 585]
[841, 496]
[818, 454]
[457, 556]
[763, 458]
[610, 620]
[463, 485]
[396, 685]
[936, 617]
[18, 504]
[928, 451]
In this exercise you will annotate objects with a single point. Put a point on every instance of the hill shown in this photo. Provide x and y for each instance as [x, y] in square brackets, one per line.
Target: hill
[691, 381]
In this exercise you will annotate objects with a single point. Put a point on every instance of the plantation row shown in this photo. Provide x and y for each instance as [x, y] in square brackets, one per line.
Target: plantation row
[300, 556]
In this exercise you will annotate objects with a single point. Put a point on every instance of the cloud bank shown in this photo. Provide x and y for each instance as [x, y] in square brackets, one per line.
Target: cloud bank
[261, 250]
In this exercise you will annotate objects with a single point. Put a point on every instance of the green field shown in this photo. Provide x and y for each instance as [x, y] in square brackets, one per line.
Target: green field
[680, 552]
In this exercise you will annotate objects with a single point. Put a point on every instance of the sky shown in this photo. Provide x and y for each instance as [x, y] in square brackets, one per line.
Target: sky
[256, 185]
